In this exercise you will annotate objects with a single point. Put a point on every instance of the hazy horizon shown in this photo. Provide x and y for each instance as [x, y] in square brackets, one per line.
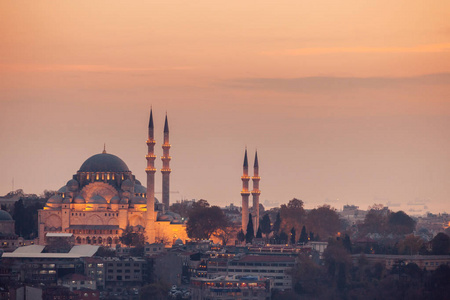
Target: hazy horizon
[347, 103]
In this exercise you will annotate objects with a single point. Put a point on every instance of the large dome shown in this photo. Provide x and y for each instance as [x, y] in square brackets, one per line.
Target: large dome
[5, 216]
[104, 162]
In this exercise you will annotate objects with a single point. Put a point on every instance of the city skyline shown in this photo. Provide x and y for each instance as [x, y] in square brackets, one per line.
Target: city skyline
[346, 103]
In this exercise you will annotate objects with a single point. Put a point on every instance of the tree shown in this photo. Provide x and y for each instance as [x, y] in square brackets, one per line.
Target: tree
[181, 208]
[303, 236]
[258, 233]
[292, 215]
[293, 235]
[347, 243]
[265, 225]
[323, 221]
[283, 237]
[240, 236]
[277, 224]
[131, 237]
[156, 291]
[204, 220]
[250, 232]
[440, 244]
[410, 245]
[400, 223]
[226, 231]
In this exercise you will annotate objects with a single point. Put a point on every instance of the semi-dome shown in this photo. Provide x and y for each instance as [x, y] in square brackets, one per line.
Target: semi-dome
[79, 200]
[104, 162]
[55, 199]
[115, 200]
[5, 216]
[138, 200]
[72, 185]
[97, 199]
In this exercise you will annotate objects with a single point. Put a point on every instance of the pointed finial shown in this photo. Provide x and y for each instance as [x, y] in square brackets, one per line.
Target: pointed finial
[104, 148]
[255, 165]
[150, 122]
[166, 125]
[245, 159]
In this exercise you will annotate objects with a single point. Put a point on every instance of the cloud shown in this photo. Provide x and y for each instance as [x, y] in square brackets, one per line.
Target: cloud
[84, 68]
[430, 48]
[329, 84]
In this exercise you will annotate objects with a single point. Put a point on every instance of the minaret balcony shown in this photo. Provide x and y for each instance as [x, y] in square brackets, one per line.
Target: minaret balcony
[166, 170]
[150, 141]
[150, 170]
[256, 178]
[244, 177]
[245, 193]
[257, 192]
[166, 157]
[150, 156]
[166, 145]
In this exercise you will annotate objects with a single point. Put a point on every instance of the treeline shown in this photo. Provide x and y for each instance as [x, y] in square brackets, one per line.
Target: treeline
[341, 278]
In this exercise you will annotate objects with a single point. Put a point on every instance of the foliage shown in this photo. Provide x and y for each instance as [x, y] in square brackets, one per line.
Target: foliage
[283, 238]
[277, 223]
[292, 236]
[303, 236]
[347, 243]
[181, 208]
[250, 234]
[265, 225]
[410, 245]
[26, 218]
[131, 237]
[225, 232]
[155, 291]
[292, 215]
[400, 223]
[105, 252]
[240, 236]
[323, 221]
[440, 244]
[205, 220]
[258, 233]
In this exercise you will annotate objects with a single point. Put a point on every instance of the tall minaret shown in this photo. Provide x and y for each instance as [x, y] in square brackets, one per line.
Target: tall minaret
[166, 168]
[245, 194]
[255, 193]
[150, 170]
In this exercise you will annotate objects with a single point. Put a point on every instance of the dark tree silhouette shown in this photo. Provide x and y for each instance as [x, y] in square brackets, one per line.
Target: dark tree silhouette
[283, 237]
[277, 224]
[130, 237]
[204, 220]
[250, 232]
[293, 235]
[440, 244]
[347, 243]
[258, 233]
[265, 225]
[240, 236]
[303, 236]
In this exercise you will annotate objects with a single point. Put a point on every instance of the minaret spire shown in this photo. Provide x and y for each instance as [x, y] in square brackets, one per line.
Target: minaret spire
[166, 168]
[245, 193]
[150, 170]
[256, 192]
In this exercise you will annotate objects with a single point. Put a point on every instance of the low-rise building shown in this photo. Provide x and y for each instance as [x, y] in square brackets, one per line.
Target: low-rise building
[428, 262]
[231, 287]
[271, 266]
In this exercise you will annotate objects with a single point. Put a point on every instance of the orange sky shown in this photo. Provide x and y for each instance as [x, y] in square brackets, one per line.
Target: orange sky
[347, 102]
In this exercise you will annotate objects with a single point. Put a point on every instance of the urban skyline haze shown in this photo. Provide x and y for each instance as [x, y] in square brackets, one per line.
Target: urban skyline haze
[346, 102]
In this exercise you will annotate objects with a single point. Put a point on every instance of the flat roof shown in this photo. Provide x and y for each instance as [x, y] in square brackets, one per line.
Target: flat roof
[35, 251]
[267, 258]
[58, 234]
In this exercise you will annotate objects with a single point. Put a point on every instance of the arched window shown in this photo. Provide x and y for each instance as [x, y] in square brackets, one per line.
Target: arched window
[109, 241]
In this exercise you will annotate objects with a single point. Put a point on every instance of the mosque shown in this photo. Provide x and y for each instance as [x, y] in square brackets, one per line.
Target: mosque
[104, 197]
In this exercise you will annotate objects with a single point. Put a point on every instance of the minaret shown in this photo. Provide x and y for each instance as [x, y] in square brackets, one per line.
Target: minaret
[150, 170]
[255, 193]
[166, 168]
[245, 194]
